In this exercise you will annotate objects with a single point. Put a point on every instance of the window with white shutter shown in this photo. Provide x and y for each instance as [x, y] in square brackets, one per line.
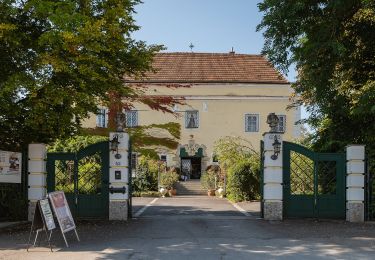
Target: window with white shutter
[102, 118]
[131, 118]
[282, 123]
[251, 123]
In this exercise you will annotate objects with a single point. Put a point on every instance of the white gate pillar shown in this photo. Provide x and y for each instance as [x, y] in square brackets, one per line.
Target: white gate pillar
[355, 182]
[37, 178]
[119, 177]
[272, 178]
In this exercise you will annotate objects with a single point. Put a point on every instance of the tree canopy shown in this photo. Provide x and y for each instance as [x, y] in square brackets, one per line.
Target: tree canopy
[59, 59]
[331, 42]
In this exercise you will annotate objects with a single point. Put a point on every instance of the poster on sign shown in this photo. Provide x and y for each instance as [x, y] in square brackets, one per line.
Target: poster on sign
[62, 212]
[10, 167]
[61, 208]
[47, 214]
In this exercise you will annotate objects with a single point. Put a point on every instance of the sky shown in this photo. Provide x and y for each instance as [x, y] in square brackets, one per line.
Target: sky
[210, 25]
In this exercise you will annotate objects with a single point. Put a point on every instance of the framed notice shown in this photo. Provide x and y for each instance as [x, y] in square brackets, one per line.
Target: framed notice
[47, 214]
[10, 167]
[61, 208]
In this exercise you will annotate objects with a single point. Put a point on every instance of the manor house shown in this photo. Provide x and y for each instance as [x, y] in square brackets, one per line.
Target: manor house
[229, 95]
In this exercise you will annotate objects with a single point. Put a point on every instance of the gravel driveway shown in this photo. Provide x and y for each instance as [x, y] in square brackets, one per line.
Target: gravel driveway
[200, 228]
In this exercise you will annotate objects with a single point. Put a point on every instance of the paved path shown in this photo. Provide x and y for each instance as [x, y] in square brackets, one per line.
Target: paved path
[202, 228]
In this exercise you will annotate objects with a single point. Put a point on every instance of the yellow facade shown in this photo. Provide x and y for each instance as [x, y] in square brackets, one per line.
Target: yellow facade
[221, 109]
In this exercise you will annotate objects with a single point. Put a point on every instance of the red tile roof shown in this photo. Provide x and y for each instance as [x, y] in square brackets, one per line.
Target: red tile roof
[190, 67]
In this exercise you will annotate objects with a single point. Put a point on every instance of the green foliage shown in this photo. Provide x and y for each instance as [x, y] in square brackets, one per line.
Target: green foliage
[60, 59]
[169, 178]
[209, 180]
[332, 47]
[146, 194]
[74, 144]
[147, 140]
[243, 180]
[89, 167]
[13, 205]
[231, 149]
[242, 165]
[146, 178]
[301, 174]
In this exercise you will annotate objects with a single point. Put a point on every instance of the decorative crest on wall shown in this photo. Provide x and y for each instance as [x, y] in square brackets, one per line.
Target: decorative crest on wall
[191, 148]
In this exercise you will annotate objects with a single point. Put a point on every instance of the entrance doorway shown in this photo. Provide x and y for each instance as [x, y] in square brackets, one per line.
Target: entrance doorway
[191, 166]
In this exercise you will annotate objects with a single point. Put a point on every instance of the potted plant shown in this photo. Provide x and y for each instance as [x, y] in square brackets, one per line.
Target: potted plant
[208, 182]
[168, 179]
[163, 191]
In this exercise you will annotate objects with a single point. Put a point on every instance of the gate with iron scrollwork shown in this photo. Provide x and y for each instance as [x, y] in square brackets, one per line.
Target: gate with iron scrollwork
[314, 183]
[84, 177]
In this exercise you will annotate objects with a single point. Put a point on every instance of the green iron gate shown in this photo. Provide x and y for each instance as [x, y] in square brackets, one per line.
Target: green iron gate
[314, 183]
[84, 177]
[261, 178]
[369, 189]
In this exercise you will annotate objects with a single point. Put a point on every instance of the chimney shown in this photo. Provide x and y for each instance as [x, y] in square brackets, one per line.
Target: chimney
[232, 51]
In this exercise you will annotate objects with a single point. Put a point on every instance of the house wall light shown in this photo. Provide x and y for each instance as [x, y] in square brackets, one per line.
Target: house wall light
[114, 143]
[276, 148]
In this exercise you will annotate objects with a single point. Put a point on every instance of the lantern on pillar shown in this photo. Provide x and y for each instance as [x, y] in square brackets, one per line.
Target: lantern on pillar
[114, 145]
[276, 148]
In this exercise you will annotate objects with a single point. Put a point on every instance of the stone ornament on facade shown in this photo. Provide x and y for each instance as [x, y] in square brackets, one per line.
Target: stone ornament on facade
[120, 122]
[191, 148]
[273, 121]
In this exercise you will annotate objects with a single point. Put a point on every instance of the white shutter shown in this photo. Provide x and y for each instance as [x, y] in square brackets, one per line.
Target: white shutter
[106, 118]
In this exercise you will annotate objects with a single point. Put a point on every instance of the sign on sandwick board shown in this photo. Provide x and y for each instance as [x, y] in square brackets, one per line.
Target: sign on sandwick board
[43, 217]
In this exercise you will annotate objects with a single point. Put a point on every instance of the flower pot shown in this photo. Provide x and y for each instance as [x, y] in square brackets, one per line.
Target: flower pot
[172, 192]
[163, 191]
[211, 192]
[220, 192]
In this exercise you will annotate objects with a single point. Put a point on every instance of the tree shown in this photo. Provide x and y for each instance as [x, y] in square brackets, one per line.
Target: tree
[332, 46]
[60, 59]
[241, 164]
[232, 149]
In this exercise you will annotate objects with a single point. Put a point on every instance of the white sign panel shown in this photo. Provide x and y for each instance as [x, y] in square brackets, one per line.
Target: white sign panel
[10, 167]
[62, 211]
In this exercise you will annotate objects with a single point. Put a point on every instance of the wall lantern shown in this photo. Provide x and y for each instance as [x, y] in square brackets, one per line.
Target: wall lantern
[114, 146]
[276, 148]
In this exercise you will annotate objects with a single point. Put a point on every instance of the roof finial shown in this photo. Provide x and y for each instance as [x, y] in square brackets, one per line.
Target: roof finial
[232, 51]
[191, 46]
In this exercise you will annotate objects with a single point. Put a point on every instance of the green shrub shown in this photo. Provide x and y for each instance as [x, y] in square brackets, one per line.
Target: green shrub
[13, 204]
[243, 180]
[146, 194]
[169, 178]
[146, 178]
[75, 143]
[89, 167]
[209, 179]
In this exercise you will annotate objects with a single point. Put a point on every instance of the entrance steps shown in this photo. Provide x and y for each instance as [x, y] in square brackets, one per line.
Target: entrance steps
[190, 187]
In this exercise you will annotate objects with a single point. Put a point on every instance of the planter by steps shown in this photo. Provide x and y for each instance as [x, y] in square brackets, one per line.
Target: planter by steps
[172, 192]
[211, 193]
